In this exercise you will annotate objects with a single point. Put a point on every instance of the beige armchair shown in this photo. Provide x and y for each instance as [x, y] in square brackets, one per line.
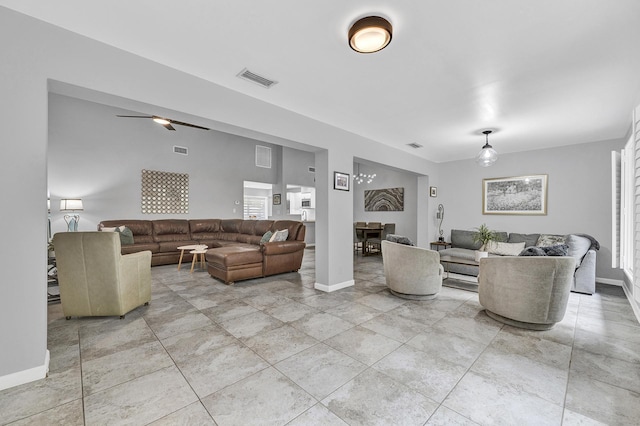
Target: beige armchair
[412, 272]
[95, 279]
[526, 291]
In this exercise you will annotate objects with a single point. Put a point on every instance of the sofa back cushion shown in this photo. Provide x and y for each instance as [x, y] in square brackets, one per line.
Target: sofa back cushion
[463, 239]
[204, 229]
[171, 230]
[248, 227]
[142, 229]
[529, 240]
[231, 225]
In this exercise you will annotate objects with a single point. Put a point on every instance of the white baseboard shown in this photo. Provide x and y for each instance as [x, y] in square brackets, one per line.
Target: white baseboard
[634, 305]
[26, 376]
[334, 287]
[609, 281]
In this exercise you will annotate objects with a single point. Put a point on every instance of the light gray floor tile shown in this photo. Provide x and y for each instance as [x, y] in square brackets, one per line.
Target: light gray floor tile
[193, 414]
[320, 369]
[265, 398]
[419, 313]
[602, 402]
[266, 300]
[140, 401]
[604, 345]
[354, 312]
[179, 323]
[35, 397]
[197, 342]
[324, 301]
[279, 343]
[609, 329]
[69, 414]
[115, 336]
[451, 347]
[119, 367]
[229, 310]
[532, 347]
[373, 398]
[318, 415]
[542, 380]
[249, 325]
[623, 316]
[221, 367]
[210, 300]
[480, 328]
[321, 326]
[606, 369]
[383, 301]
[432, 377]
[363, 344]
[394, 326]
[447, 417]
[571, 418]
[291, 311]
[487, 402]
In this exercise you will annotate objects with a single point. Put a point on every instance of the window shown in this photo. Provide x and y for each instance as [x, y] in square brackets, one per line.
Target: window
[255, 207]
[626, 207]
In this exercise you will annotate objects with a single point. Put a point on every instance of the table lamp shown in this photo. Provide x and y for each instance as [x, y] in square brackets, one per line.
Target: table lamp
[71, 205]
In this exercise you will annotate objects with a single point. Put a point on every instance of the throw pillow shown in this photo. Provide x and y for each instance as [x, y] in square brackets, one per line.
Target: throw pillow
[578, 247]
[557, 250]
[546, 240]
[266, 237]
[126, 236]
[279, 235]
[108, 229]
[532, 251]
[399, 239]
[504, 249]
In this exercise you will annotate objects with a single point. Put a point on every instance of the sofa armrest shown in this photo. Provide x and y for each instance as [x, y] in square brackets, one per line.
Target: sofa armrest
[585, 276]
[282, 247]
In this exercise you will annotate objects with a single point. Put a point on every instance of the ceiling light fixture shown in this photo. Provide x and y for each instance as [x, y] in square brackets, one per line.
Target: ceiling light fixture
[487, 155]
[370, 34]
[362, 177]
[161, 120]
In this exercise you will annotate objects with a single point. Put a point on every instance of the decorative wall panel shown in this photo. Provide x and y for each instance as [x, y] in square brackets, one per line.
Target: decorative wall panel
[164, 192]
[384, 200]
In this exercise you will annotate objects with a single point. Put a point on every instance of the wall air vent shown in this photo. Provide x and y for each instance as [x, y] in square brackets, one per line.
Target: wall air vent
[180, 150]
[263, 156]
[312, 169]
[245, 74]
[414, 145]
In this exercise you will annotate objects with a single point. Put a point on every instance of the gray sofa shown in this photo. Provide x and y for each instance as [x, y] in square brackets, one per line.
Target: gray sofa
[581, 247]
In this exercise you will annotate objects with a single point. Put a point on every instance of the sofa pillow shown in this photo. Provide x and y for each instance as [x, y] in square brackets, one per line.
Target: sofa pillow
[504, 249]
[399, 239]
[266, 237]
[557, 250]
[529, 239]
[532, 251]
[578, 247]
[279, 235]
[108, 229]
[546, 240]
[126, 236]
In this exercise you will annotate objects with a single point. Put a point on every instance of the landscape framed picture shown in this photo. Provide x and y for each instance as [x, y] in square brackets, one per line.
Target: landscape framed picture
[520, 195]
[341, 181]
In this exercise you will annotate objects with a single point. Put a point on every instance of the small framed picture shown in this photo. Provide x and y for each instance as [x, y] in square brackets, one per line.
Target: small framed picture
[277, 199]
[433, 191]
[341, 181]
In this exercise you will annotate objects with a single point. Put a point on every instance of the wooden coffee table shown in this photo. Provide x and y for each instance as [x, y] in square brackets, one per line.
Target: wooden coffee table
[189, 247]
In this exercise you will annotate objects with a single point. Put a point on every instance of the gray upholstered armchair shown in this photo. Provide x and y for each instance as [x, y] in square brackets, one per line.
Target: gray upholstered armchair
[526, 291]
[95, 279]
[411, 272]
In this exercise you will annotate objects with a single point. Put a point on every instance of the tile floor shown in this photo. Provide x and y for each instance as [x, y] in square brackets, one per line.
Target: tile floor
[275, 351]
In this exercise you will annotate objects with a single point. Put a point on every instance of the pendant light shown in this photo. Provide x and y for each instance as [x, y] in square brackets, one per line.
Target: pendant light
[487, 155]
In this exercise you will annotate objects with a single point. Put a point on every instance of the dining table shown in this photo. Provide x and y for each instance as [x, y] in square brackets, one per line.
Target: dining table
[367, 233]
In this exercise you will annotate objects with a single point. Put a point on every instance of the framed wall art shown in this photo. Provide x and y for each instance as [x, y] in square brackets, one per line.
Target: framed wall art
[341, 181]
[524, 195]
[277, 199]
[384, 200]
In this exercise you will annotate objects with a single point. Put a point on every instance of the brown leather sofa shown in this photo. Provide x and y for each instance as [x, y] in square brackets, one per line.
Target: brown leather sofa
[235, 252]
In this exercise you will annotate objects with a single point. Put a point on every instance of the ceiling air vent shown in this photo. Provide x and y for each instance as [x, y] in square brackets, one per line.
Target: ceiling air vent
[255, 78]
[180, 150]
[414, 145]
[263, 156]
[312, 169]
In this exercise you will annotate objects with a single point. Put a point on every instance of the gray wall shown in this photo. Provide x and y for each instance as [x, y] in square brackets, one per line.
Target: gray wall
[98, 157]
[406, 220]
[579, 194]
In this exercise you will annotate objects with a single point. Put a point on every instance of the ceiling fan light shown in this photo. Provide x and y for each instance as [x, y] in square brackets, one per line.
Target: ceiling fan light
[370, 34]
[161, 120]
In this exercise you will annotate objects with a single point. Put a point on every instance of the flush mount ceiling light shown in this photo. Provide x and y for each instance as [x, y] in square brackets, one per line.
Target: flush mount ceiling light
[370, 34]
[487, 155]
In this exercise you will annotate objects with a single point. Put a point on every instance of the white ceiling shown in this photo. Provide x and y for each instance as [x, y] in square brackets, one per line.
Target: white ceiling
[541, 73]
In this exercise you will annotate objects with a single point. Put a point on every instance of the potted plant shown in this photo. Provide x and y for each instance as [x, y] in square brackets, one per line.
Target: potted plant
[483, 235]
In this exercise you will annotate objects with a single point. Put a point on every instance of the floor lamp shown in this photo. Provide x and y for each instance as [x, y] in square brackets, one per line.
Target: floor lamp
[71, 205]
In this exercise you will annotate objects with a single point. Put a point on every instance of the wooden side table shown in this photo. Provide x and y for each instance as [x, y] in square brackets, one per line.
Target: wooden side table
[439, 245]
[198, 252]
[189, 247]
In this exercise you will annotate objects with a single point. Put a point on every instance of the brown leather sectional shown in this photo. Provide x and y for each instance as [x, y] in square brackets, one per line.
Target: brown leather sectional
[235, 252]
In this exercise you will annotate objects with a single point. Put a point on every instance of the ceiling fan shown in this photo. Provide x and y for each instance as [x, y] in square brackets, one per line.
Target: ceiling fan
[166, 122]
